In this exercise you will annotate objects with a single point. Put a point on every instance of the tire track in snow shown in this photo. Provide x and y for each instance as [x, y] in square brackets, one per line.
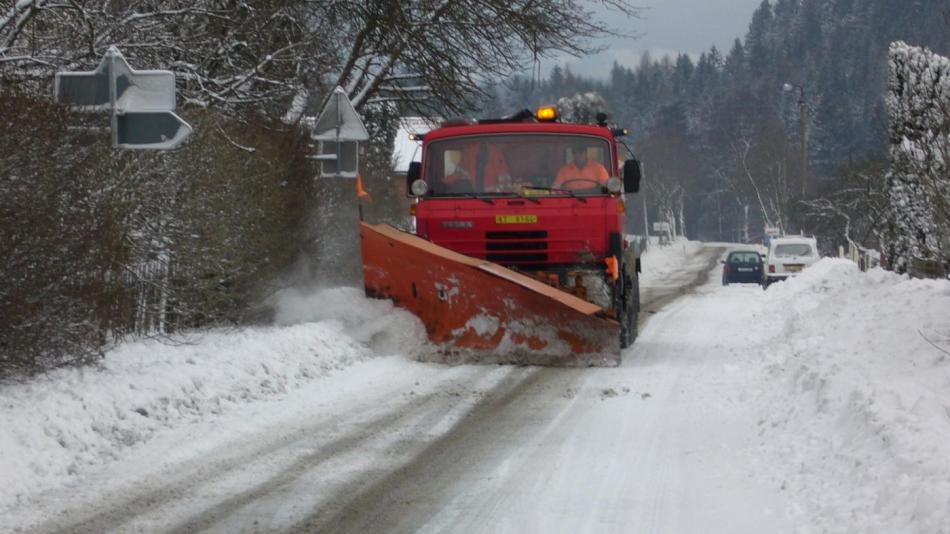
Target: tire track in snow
[178, 487]
[158, 507]
[281, 503]
[419, 485]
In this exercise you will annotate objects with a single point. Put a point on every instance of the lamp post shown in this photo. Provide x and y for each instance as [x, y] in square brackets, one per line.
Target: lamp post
[802, 129]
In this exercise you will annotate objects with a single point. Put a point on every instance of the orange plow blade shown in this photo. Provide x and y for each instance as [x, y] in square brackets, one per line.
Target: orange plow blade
[478, 311]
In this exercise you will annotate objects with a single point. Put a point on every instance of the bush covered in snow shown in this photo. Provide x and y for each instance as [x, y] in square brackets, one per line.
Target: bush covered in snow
[99, 245]
[919, 182]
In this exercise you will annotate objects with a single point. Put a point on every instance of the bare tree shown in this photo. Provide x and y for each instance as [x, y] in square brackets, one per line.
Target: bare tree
[673, 168]
[226, 54]
[762, 180]
[855, 207]
[280, 56]
[412, 51]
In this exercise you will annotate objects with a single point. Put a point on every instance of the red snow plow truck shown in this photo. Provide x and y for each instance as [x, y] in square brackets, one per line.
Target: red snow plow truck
[518, 253]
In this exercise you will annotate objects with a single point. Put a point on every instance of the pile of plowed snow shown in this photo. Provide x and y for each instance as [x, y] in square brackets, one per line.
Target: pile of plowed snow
[860, 371]
[57, 426]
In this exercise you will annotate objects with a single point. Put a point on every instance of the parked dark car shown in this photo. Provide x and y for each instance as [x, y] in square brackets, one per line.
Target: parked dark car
[742, 267]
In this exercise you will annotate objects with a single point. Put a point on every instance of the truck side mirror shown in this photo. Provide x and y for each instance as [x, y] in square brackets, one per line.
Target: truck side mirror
[631, 176]
[413, 174]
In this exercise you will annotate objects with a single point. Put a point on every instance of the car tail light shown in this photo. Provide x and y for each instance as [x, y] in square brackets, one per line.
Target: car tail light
[725, 268]
[771, 268]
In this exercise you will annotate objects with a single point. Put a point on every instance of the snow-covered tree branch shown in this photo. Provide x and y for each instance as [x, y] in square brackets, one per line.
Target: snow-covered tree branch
[273, 56]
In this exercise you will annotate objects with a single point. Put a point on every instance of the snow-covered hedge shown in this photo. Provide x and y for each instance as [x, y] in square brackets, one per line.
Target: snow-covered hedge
[918, 103]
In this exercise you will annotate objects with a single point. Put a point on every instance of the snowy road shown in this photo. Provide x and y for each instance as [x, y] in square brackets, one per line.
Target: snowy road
[806, 408]
[410, 447]
[635, 449]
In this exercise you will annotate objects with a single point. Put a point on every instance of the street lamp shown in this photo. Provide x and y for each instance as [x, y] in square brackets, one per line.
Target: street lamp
[802, 128]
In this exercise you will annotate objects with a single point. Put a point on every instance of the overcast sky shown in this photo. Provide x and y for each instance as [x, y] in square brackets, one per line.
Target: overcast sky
[667, 27]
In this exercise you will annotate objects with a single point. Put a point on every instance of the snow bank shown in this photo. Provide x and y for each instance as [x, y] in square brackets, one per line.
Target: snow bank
[861, 400]
[57, 426]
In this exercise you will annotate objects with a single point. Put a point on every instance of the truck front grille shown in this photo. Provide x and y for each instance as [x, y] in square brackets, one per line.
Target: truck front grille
[529, 234]
[505, 259]
[515, 247]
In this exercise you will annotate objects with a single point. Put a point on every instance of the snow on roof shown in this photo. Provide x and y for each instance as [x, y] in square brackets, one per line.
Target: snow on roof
[406, 150]
[794, 239]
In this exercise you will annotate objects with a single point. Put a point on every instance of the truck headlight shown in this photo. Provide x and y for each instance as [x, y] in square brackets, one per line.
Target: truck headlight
[614, 185]
[420, 188]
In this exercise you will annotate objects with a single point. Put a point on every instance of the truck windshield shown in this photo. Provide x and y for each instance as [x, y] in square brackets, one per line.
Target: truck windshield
[519, 164]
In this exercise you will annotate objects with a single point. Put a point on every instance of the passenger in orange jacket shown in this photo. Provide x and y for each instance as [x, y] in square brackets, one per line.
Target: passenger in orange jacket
[582, 173]
[488, 159]
[494, 168]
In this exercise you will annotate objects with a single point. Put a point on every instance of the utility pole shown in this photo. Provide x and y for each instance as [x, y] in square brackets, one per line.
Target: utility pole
[802, 130]
[643, 193]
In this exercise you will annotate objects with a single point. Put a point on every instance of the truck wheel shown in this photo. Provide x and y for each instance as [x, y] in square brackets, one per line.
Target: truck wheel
[629, 313]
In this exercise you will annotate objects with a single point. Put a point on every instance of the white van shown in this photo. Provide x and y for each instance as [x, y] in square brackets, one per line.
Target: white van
[787, 257]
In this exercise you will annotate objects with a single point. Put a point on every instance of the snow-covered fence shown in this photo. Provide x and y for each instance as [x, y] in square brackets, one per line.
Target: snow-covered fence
[918, 268]
[865, 258]
[918, 103]
[147, 295]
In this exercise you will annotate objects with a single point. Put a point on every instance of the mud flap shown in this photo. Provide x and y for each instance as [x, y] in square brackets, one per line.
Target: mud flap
[475, 310]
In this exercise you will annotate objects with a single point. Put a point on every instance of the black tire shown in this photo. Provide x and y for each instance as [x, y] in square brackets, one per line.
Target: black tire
[636, 288]
[629, 310]
[634, 312]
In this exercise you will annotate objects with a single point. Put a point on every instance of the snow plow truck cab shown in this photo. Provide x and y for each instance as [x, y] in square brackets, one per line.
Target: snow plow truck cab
[504, 265]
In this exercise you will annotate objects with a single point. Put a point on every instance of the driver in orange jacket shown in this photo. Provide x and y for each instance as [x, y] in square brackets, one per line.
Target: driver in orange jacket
[582, 173]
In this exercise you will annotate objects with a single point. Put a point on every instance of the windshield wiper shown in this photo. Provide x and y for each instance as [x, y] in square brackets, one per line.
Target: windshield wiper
[476, 197]
[558, 189]
[526, 197]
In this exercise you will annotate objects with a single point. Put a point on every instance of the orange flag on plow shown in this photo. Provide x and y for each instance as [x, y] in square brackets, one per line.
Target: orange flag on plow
[360, 191]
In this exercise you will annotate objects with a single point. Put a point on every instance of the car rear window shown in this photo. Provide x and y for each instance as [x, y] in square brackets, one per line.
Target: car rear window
[750, 258]
[793, 249]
